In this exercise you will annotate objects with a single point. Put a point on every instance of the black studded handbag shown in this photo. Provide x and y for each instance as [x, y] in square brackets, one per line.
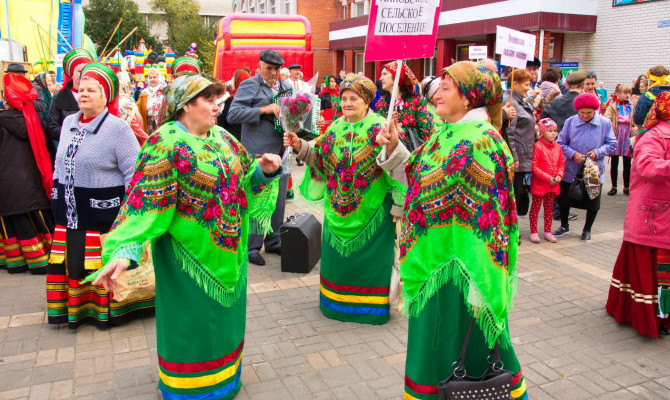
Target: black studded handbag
[494, 384]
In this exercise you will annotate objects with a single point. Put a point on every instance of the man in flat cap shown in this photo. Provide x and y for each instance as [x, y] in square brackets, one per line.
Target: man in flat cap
[40, 104]
[296, 77]
[254, 109]
[562, 108]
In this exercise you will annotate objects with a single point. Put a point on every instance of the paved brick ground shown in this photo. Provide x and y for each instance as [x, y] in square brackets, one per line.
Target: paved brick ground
[568, 346]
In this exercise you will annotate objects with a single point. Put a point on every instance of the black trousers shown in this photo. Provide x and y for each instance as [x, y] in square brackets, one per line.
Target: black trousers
[614, 170]
[521, 194]
[590, 218]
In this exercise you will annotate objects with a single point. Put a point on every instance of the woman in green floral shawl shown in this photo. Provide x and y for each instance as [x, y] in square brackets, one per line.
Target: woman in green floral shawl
[415, 123]
[459, 241]
[357, 248]
[195, 195]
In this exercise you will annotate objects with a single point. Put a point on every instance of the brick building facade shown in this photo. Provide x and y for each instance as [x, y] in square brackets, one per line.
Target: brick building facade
[642, 28]
[465, 23]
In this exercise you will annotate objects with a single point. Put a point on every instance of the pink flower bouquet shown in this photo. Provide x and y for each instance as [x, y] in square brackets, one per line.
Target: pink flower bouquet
[293, 111]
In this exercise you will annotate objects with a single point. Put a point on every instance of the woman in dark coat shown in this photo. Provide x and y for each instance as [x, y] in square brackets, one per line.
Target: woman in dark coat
[26, 223]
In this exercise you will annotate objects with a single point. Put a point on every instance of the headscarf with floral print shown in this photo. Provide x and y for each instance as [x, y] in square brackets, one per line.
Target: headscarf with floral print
[181, 91]
[660, 111]
[361, 85]
[480, 86]
[407, 78]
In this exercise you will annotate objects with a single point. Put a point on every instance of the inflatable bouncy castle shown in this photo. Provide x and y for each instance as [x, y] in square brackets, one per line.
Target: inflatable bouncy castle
[242, 37]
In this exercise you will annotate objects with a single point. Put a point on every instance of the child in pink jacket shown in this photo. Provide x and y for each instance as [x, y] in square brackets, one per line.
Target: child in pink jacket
[548, 168]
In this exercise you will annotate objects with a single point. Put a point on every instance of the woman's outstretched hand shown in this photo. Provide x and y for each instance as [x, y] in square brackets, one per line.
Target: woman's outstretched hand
[291, 139]
[387, 137]
[270, 163]
[111, 272]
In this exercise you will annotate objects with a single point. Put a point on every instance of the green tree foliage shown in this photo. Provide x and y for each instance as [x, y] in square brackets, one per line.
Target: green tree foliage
[186, 26]
[103, 15]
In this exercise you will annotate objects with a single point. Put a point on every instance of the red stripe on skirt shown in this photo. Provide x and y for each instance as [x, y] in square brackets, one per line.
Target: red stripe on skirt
[200, 367]
[356, 289]
[421, 389]
[517, 378]
[56, 278]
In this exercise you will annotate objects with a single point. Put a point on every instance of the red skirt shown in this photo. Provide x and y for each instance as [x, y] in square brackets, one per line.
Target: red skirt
[633, 295]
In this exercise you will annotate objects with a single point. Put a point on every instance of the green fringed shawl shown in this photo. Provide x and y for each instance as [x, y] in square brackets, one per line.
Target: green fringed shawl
[347, 176]
[437, 120]
[202, 193]
[460, 224]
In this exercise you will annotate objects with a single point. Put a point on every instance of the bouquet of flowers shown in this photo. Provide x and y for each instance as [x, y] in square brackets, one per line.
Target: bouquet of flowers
[293, 110]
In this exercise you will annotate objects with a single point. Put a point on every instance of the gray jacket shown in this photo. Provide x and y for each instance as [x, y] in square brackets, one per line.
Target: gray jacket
[258, 131]
[521, 132]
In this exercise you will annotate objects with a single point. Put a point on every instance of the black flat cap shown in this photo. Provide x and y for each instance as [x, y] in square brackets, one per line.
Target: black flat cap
[535, 63]
[272, 57]
[17, 68]
[294, 66]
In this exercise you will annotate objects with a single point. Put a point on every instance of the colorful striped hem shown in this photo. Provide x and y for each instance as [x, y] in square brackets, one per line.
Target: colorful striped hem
[216, 379]
[371, 300]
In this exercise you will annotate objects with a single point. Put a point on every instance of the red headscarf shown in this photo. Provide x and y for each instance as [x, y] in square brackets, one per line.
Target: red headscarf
[241, 77]
[407, 78]
[21, 94]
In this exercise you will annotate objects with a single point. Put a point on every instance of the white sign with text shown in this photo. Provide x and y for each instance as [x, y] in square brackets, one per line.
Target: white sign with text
[478, 52]
[514, 47]
[405, 17]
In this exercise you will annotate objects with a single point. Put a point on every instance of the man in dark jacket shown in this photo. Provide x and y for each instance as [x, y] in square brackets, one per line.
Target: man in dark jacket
[254, 109]
[63, 104]
[562, 108]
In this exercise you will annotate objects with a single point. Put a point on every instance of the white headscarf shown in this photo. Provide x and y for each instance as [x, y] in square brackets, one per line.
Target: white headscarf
[433, 83]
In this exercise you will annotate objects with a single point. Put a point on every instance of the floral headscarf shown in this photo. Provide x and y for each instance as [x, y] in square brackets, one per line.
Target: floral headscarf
[181, 91]
[361, 85]
[127, 106]
[480, 86]
[407, 78]
[660, 111]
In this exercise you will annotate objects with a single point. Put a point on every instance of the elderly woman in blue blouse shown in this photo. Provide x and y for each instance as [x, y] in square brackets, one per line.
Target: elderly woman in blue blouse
[587, 134]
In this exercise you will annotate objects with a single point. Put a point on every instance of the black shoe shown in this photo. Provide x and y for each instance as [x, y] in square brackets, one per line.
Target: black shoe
[256, 258]
[663, 330]
[626, 191]
[586, 236]
[300, 163]
[274, 251]
[612, 192]
[572, 217]
[557, 217]
[561, 231]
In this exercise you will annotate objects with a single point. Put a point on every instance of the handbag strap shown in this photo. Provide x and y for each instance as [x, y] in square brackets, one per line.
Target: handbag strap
[459, 364]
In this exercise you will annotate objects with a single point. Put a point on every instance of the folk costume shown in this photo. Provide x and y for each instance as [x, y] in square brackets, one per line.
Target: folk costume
[460, 199]
[640, 287]
[358, 231]
[26, 222]
[64, 103]
[411, 106]
[150, 102]
[94, 165]
[330, 103]
[195, 200]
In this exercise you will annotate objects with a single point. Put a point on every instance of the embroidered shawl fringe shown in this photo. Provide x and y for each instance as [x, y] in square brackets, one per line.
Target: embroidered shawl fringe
[348, 246]
[206, 281]
[454, 271]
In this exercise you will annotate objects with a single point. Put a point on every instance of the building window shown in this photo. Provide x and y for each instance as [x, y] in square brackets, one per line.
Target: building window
[252, 6]
[551, 47]
[273, 6]
[360, 63]
[429, 66]
[287, 7]
[358, 9]
[344, 11]
[344, 62]
[150, 23]
[235, 7]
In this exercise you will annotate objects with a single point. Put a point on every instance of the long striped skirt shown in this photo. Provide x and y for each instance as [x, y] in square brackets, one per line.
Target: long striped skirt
[356, 288]
[200, 342]
[74, 255]
[434, 342]
[25, 241]
[639, 277]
